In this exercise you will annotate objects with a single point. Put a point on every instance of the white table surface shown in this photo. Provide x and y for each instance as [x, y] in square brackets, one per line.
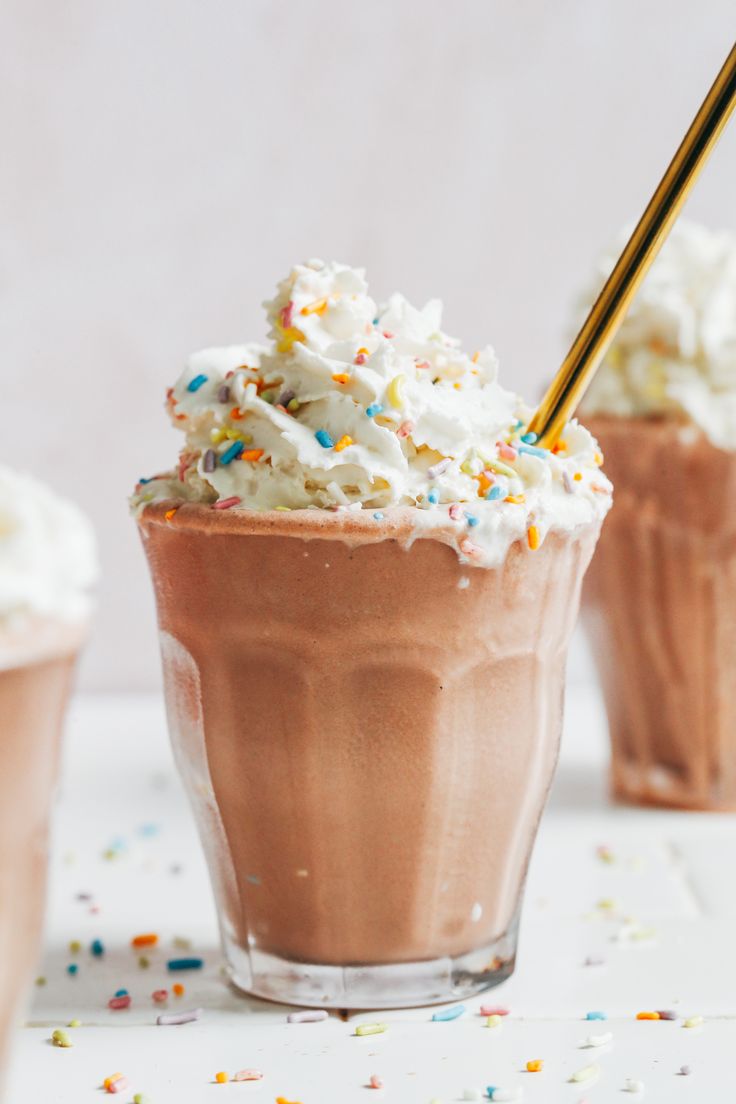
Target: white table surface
[667, 941]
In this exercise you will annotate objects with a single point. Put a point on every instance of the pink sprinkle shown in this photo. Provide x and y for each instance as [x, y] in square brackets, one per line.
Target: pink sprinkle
[160, 995]
[285, 314]
[118, 1086]
[492, 1010]
[309, 1015]
[360, 359]
[248, 1075]
[387, 334]
[423, 364]
[117, 1003]
[506, 452]
[405, 429]
[456, 512]
[468, 548]
[375, 1082]
[226, 503]
[173, 1019]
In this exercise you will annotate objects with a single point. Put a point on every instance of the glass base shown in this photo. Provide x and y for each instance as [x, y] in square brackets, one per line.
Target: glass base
[395, 985]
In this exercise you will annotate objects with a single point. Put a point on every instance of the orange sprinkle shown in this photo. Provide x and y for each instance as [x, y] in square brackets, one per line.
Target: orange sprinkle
[657, 345]
[178, 990]
[362, 351]
[475, 356]
[283, 1100]
[180, 417]
[343, 443]
[111, 1080]
[170, 513]
[559, 446]
[532, 536]
[252, 454]
[341, 377]
[221, 1078]
[236, 414]
[578, 476]
[515, 499]
[484, 483]
[535, 1065]
[319, 306]
[598, 489]
[148, 940]
[647, 1015]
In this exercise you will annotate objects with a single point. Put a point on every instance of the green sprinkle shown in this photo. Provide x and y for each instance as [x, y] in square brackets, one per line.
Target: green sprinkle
[61, 1039]
[370, 1029]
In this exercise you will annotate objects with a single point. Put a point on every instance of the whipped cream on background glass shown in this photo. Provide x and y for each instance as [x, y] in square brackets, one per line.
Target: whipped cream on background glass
[48, 559]
[675, 353]
[358, 407]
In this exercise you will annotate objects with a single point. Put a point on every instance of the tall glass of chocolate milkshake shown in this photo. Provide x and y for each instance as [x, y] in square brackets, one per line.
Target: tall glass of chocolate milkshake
[366, 575]
[660, 601]
[47, 565]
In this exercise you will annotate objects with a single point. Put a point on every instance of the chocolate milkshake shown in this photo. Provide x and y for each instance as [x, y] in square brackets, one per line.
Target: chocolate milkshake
[47, 562]
[660, 601]
[364, 680]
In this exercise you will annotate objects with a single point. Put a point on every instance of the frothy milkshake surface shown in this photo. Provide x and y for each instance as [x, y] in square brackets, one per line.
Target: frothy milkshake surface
[357, 407]
[675, 354]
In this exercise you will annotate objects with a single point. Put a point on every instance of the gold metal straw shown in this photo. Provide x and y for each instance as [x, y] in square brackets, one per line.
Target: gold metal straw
[607, 313]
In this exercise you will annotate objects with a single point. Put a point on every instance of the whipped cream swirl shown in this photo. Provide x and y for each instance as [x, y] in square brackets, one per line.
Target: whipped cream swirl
[48, 557]
[352, 406]
[675, 353]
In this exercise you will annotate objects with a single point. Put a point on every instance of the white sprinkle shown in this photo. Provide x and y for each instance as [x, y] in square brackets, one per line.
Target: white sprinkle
[171, 1019]
[633, 1086]
[693, 1021]
[476, 912]
[438, 468]
[598, 1040]
[685, 1071]
[567, 482]
[463, 582]
[309, 1015]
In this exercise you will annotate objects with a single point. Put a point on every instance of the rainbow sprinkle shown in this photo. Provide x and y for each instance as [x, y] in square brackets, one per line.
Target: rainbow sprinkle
[196, 383]
[324, 439]
[232, 453]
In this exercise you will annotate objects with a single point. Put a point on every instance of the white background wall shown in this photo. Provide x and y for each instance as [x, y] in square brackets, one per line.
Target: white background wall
[164, 161]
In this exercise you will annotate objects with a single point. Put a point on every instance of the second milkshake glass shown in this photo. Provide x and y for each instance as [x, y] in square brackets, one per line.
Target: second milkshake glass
[368, 730]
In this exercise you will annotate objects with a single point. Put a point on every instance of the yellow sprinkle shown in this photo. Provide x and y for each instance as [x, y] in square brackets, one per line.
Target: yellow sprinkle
[457, 386]
[217, 436]
[586, 1073]
[535, 1066]
[370, 1029]
[494, 1020]
[75, 946]
[284, 508]
[362, 351]
[532, 536]
[466, 467]
[516, 500]
[343, 443]
[475, 356]
[598, 458]
[395, 392]
[693, 1021]
[74, 1023]
[288, 338]
[221, 1078]
[501, 468]
[341, 377]
[170, 513]
[606, 904]
[319, 306]
[578, 476]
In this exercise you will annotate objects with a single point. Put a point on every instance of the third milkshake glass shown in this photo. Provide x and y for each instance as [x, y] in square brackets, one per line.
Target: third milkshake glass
[366, 577]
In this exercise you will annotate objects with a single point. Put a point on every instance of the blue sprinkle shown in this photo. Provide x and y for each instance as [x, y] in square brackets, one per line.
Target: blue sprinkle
[149, 830]
[185, 964]
[491, 1090]
[373, 409]
[532, 450]
[324, 438]
[471, 519]
[143, 481]
[196, 383]
[232, 453]
[122, 993]
[378, 516]
[72, 969]
[97, 948]
[434, 496]
[518, 425]
[449, 1013]
[494, 493]
[375, 321]
[528, 438]
[596, 1016]
[253, 879]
